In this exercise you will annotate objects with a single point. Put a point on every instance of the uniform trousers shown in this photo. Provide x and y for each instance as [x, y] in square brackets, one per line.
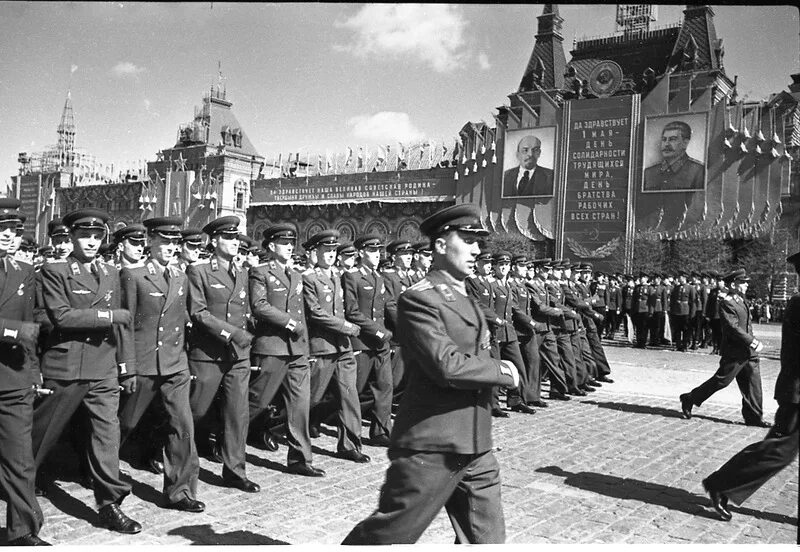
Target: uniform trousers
[181, 465]
[641, 323]
[598, 354]
[510, 350]
[377, 404]
[587, 355]
[748, 377]
[292, 375]
[657, 322]
[680, 330]
[341, 368]
[754, 465]
[566, 358]
[578, 351]
[550, 363]
[418, 484]
[101, 400]
[716, 332]
[230, 380]
[398, 373]
[17, 467]
[612, 323]
[529, 347]
[698, 330]
[602, 311]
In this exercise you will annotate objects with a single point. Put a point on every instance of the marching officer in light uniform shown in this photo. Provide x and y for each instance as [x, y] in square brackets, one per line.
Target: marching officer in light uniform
[397, 281]
[441, 449]
[19, 374]
[155, 295]
[564, 330]
[219, 347]
[89, 354]
[365, 298]
[739, 356]
[280, 348]
[130, 245]
[329, 342]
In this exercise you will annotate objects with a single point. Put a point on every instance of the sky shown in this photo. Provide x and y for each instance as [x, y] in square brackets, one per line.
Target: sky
[305, 77]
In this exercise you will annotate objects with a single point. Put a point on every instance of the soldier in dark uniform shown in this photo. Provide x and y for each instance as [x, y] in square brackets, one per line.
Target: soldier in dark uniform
[441, 450]
[657, 307]
[640, 311]
[614, 306]
[346, 257]
[748, 470]
[219, 347]
[397, 281]
[699, 329]
[591, 319]
[422, 260]
[567, 326]
[89, 355]
[365, 298]
[191, 243]
[19, 375]
[280, 348]
[739, 360]
[155, 294]
[626, 312]
[682, 309]
[329, 344]
[585, 366]
[130, 245]
[716, 295]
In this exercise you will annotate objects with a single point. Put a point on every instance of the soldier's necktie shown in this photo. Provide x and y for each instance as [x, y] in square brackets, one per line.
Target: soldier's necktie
[166, 276]
[523, 182]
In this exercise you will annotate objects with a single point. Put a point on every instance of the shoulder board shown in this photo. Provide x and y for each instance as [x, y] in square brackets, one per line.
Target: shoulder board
[422, 285]
[151, 269]
[472, 276]
[214, 263]
[56, 261]
[729, 298]
[199, 262]
[307, 272]
[446, 292]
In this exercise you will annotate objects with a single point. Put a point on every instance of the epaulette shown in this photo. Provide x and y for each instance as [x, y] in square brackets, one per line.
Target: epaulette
[473, 276]
[729, 298]
[55, 261]
[422, 285]
[307, 272]
[199, 262]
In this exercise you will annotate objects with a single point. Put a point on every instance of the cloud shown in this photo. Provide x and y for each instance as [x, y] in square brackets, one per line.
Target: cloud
[483, 61]
[432, 34]
[385, 126]
[73, 68]
[126, 69]
[147, 104]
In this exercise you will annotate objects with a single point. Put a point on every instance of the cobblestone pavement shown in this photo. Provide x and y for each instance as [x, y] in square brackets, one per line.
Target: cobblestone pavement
[617, 466]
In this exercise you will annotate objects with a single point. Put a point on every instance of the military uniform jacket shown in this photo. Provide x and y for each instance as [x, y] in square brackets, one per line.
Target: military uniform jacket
[657, 299]
[683, 300]
[218, 304]
[641, 294]
[396, 283]
[737, 329]
[328, 331]
[84, 344]
[18, 366]
[599, 295]
[712, 303]
[480, 289]
[365, 298]
[160, 315]
[445, 340]
[544, 316]
[275, 299]
[569, 321]
[506, 308]
[523, 322]
[627, 298]
[576, 296]
[702, 298]
[787, 386]
[614, 300]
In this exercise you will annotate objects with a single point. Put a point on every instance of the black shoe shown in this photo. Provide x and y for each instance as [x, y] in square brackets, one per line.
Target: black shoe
[719, 502]
[87, 482]
[112, 517]
[578, 392]
[243, 484]
[556, 396]
[686, 405]
[605, 379]
[497, 413]
[269, 441]
[593, 383]
[28, 540]
[758, 423]
[187, 504]
[380, 441]
[214, 448]
[154, 465]
[354, 455]
[302, 468]
[313, 431]
[538, 404]
[38, 490]
[523, 408]
[588, 388]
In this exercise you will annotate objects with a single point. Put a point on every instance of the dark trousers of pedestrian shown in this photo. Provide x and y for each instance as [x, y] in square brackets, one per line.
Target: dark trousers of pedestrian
[510, 350]
[17, 466]
[641, 322]
[657, 321]
[181, 465]
[101, 400]
[550, 362]
[748, 377]
[611, 324]
[292, 375]
[337, 372]
[754, 465]
[230, 380]
[593, 333]
[584, 361]
[566, 356]
[716, 333]
[680, 330]
[375, 370]
[418, 484]
[529, 348]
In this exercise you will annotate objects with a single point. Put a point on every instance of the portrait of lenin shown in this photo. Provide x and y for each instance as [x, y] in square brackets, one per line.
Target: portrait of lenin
[528, 178]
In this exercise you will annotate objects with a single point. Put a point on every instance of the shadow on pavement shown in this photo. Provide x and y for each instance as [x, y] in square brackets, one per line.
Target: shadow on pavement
[264, 463]
[655, 410]
[652, 493]
[70, 505]
[204, 534]
[145, 493]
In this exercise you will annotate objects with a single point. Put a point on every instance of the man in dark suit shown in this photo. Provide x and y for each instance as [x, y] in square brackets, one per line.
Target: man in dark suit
[748, 470]
[280, 348]
[739, 356]
[89, 354]
[155, 295]
[329, 343]
[528, 178]
[19, 373]
[219, 347]
[441, 449]
[676, 171]
[365, 298]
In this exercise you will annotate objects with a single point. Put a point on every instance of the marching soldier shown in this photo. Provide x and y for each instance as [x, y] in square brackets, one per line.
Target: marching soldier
[219, 347]
[365, 298]
[155, 295]
[19, 375]
[89, 355]
[682, 310]
[130, 245]
[739, 351]
[397, 281]
[280, 348]
[346, 257]
[592, 321]
[584, 360]
[329, 342]
[422, 260]
[566, 327]
[190, 246]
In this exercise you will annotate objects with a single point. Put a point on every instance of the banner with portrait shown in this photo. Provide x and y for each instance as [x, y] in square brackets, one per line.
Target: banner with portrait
[674, 153]
[529, 162]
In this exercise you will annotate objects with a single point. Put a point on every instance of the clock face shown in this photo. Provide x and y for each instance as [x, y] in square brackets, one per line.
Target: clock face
[605, 78]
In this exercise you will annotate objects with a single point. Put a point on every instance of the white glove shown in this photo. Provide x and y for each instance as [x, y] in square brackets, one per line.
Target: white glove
[759, 347]
[507, 368]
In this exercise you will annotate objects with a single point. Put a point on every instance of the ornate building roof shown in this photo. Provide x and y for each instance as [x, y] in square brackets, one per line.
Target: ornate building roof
[547, 62]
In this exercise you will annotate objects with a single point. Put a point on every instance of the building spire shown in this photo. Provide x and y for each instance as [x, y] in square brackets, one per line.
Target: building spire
[66, 128]
[547, 62]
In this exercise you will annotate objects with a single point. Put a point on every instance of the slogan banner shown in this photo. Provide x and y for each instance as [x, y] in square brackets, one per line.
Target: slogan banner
[597, 176]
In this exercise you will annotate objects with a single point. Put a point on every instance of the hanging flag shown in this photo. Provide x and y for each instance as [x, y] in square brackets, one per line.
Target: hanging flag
[348, 157]
[327, 162]
[381, 155]
[360, 163]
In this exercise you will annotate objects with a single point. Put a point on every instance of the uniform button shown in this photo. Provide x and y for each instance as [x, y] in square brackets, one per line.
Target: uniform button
[160, 328]
[228, 315]
[159, 344]
[177, 329]
[88, 339]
